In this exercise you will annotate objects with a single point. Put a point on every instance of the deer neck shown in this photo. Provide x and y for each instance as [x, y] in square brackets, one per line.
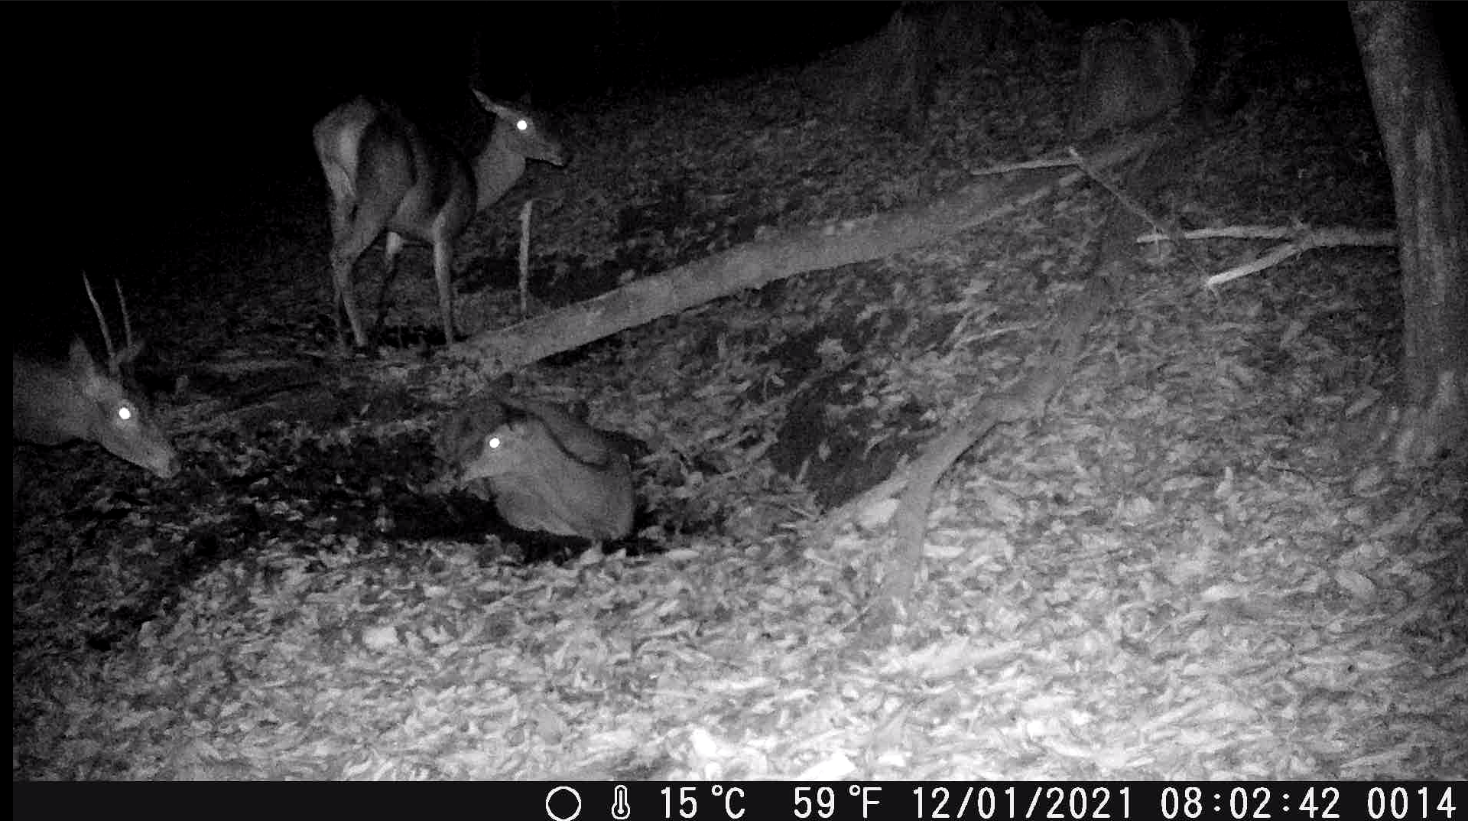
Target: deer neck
[47, 405]
[497, 168]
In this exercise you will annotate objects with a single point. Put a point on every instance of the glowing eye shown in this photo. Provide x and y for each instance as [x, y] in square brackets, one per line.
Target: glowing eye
[125, 413]
[495, 442]
[522, 125]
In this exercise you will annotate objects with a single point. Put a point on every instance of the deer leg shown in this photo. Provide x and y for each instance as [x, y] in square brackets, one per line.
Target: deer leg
[443, 260]
[359, 231]
[343, 299]
[389, 273]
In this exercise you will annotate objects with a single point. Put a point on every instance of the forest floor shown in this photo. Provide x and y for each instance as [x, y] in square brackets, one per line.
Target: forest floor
[1183, 572]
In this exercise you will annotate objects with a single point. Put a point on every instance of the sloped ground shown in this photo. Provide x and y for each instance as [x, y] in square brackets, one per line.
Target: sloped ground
[1185, 572]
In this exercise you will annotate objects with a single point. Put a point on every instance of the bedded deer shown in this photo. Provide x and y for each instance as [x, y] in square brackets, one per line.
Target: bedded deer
[547, 470]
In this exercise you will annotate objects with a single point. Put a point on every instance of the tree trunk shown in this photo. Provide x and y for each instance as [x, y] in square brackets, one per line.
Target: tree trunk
[1423, 136]
[895, 83]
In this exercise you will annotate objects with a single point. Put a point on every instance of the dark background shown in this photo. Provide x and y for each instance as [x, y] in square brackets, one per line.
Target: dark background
[136, 131]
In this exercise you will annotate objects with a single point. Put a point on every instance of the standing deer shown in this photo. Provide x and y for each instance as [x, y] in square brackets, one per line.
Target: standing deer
[56, 402]
[387, 173]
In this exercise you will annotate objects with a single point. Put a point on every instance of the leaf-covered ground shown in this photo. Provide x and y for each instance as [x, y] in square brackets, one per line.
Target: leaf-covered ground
[1185, 572]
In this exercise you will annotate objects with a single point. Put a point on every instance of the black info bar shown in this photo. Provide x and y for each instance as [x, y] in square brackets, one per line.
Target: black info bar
[761, 801]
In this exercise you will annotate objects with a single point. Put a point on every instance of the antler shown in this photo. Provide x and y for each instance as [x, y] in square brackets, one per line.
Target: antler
[127, 323]
[102, 323]
[114, 358]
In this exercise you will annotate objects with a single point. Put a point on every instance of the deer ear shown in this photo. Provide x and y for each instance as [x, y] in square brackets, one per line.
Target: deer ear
[89, 377]
[486, 101]
[126, 356]
[81, 358]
